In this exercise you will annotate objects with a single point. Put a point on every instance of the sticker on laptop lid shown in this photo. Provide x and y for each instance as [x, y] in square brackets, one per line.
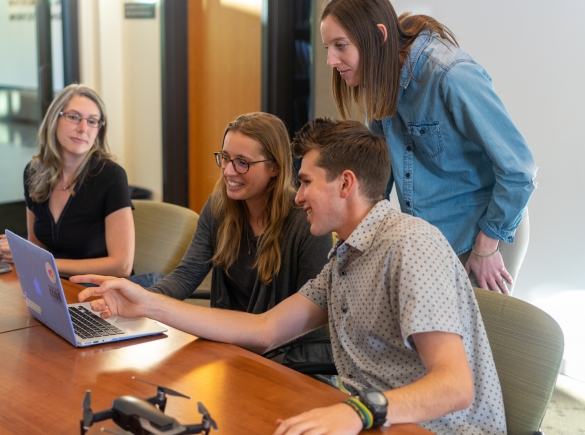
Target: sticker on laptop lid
[32, 305]
[51, 273]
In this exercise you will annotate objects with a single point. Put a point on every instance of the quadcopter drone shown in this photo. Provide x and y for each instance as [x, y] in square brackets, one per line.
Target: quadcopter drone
[145, 416]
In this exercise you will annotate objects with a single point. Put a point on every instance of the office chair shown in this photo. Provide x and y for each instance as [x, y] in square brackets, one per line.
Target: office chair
[163, 234]
[527, 345]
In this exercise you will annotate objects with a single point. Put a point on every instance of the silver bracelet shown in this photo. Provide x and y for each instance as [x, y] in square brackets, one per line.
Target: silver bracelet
[486, 255]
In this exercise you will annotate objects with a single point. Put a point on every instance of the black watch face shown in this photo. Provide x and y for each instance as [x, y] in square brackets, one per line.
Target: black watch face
[376, 398]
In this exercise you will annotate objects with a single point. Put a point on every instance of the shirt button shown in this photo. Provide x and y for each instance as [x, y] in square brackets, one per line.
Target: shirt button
[423, 131]
[407, 203]
[407, 175]
[342, 273]
[408, 148]
[344, 310]
[350, 376]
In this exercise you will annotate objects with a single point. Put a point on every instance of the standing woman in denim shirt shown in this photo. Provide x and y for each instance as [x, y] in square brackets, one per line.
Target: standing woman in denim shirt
[458, 160]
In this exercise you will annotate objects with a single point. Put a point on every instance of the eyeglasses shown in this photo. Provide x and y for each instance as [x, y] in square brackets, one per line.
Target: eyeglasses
[241, 166]
[76, 119]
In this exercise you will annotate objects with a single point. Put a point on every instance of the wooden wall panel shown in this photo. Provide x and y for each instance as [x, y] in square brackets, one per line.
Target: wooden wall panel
[224, 81]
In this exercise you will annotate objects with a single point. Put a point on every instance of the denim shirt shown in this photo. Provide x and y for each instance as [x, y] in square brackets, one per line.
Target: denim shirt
[458, 160]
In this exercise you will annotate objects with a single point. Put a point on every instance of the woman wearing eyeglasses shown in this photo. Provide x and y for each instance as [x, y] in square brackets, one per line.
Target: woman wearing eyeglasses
[250, 233]
[77, 198]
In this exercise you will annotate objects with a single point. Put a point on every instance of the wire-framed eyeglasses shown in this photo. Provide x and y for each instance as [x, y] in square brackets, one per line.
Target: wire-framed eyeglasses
[75, 118]
[241, 166]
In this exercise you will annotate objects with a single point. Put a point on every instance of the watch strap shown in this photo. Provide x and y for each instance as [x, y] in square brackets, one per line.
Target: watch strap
[362, 411]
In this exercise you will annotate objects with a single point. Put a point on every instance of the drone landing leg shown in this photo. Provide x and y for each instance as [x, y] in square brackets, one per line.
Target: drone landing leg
[196, 428]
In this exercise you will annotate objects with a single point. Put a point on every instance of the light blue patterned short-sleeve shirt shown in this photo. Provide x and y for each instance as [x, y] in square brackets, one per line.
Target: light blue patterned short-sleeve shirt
[396, 275]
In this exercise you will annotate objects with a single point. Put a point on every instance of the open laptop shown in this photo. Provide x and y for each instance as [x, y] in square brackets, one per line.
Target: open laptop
[45, 300]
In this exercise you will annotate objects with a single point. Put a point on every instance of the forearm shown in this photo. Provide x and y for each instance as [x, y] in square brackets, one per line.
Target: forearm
[248, 331]
[419, 401]
[110, 266]
[182, 281]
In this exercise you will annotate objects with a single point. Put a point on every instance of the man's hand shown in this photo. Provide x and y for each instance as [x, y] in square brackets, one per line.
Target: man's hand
[490, 271]
[338, 419]
[120, 297]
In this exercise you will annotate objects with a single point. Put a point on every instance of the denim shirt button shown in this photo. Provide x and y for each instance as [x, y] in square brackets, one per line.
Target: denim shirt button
[407, 175]
[423, 131]
[408, 148]
[407, 203]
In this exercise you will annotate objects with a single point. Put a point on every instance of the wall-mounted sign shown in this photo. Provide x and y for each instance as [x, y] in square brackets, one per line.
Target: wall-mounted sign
[21, 10]
[139, 10]
[25, 10]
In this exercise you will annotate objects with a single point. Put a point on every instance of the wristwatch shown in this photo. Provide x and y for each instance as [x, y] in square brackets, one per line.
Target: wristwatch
[371, 407]
[377, 404]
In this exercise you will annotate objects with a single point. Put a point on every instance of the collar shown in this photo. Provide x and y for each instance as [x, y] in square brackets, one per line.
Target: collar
[416, 49]
[362, 238]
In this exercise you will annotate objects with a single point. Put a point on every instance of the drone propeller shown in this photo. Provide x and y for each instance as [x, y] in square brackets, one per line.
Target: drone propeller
[163, 389]
[87, 412]
[202, 410]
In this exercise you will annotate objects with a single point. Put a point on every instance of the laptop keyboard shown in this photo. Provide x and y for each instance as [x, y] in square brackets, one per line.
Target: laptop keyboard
[88, 325]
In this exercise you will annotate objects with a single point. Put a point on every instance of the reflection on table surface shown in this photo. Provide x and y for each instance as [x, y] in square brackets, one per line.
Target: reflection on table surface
[43, 379]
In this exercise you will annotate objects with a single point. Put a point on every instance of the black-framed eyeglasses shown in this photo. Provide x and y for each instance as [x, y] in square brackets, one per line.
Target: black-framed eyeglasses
[75, 118]
[241, 166]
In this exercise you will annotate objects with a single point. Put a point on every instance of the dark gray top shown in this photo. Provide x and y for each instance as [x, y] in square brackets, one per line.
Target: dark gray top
[303, 257]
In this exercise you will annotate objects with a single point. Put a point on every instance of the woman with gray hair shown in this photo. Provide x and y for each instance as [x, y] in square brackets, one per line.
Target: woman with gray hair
[77, 198]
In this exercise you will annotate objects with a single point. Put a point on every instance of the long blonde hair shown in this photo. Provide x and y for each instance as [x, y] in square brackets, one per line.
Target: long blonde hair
[46, 166]
[270, 132]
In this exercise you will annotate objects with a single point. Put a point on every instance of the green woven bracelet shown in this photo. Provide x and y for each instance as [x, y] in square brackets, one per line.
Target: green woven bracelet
[364, 413]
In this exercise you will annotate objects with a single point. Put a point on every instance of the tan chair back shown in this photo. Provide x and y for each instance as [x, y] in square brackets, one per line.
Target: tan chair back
[163, 234]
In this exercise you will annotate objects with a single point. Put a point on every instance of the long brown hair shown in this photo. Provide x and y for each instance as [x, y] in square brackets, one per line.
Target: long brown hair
[270, 132]
[46, 166]
[380, 65]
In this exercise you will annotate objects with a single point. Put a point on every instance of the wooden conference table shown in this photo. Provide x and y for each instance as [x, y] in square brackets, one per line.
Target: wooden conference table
[43, 379]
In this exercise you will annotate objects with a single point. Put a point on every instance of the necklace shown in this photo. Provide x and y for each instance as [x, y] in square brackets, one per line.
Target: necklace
[66, 187]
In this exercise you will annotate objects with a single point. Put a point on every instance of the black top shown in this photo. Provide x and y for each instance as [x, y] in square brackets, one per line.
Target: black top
[81, 230]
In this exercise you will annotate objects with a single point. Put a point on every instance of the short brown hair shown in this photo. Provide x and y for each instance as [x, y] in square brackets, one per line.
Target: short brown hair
[347, 145]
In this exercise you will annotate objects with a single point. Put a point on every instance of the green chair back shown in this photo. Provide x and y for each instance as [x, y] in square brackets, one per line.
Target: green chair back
[527, 345]
[163, 234]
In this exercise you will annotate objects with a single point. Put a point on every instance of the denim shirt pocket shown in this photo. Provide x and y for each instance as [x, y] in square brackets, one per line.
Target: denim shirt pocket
[426, 138]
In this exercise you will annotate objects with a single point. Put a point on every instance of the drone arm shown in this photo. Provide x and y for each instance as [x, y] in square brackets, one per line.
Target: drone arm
[103, 415]
[159, 400]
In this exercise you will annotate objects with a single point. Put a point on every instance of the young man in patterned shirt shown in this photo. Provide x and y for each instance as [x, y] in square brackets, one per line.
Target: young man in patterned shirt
[406, 332]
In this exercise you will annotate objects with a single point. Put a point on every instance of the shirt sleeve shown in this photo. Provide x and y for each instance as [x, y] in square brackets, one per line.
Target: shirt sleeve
[480, 115]
[425, 276]
[195, 265]
[118, 193]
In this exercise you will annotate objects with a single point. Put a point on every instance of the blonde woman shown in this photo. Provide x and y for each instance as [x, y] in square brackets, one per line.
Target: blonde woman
[77, 198]
[250, 233]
